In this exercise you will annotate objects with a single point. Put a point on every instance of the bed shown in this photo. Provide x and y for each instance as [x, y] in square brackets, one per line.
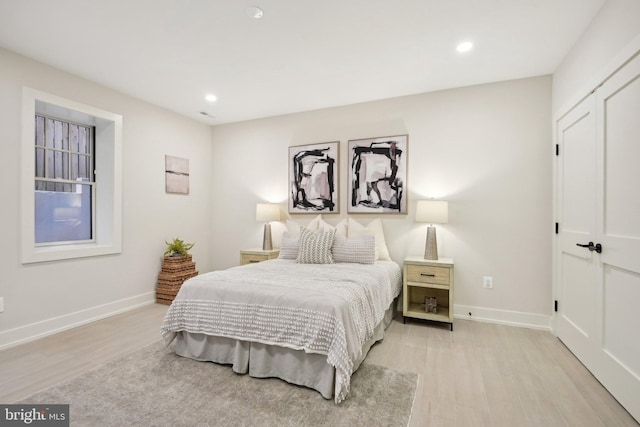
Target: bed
[306, 323]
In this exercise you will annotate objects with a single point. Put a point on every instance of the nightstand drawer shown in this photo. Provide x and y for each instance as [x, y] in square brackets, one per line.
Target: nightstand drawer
[428, 274]
[251, 258]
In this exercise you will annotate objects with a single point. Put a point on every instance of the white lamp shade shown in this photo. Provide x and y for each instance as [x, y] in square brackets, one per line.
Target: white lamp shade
[432, 211]
[266, 212]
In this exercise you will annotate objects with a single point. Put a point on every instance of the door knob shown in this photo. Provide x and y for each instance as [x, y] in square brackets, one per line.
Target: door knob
[588, 245]
[597, 247]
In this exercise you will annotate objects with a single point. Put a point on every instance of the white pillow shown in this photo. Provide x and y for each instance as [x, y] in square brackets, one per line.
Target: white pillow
[373, 228]
[293, 227]
[341, 228]
[360, 249]
[315, 224]
[325, 226]
[315, 248]
[290, 246]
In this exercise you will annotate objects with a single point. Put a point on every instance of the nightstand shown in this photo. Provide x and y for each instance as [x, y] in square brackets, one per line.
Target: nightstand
[250, 256]
[422, 279]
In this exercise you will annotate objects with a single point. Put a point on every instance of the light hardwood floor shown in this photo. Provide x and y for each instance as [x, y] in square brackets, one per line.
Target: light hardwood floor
[36, 365]
[480, 374]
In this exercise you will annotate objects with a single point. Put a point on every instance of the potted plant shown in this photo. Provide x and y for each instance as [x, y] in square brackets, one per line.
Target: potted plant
[178, 248]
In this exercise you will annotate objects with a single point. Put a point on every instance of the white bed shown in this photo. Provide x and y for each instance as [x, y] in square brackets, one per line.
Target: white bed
[309, 324]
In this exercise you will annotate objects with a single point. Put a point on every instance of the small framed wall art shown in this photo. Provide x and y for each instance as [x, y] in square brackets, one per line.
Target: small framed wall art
[176, 172]
[313, 178]
[378, 175]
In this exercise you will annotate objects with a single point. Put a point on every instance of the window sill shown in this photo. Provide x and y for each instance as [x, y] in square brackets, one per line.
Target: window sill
[56, 253]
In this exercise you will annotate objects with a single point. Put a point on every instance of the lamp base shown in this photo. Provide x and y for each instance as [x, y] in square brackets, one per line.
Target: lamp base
[431, 245]
[266, 239]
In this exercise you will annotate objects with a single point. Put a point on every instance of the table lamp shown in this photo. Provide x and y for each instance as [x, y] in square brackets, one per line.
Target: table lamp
[433, 212]
[266, 212]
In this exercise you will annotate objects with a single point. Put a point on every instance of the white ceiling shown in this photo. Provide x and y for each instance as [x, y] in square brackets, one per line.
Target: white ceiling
[300, 56]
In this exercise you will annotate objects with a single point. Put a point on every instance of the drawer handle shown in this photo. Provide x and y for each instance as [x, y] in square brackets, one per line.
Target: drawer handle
[427, 274]
[253, 260]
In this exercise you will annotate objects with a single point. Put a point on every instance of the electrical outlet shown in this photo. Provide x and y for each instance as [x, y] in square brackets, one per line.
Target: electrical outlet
[487, 282]
[1, 304]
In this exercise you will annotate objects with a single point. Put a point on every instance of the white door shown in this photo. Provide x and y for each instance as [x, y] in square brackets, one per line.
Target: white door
[598, 202]
[618, 230]
[576, 266]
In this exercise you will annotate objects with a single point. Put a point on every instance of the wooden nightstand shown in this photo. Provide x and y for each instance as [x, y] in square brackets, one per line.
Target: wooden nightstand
[257, 255]
[426, 278]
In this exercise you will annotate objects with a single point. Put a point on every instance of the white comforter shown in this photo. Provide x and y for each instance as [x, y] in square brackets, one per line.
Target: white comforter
[331, 309]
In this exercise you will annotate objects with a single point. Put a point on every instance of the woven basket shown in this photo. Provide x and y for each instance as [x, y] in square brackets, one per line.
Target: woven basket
[175, 271]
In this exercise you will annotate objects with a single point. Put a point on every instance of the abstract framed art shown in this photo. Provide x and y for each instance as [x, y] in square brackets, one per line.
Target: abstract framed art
[313, 178]
[176, 174]
[378, 175]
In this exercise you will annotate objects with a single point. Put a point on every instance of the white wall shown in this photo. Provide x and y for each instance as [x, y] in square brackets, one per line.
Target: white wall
[42, 297]
[486, 149]
[616, 25]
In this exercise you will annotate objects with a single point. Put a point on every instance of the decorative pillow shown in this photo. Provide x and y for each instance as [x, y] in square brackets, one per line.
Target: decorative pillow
[315, 248]
[373, 228]
[360, 250]
[289, 246]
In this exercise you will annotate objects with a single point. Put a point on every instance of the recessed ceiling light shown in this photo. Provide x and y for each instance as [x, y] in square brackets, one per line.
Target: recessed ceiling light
[211, 98]
[254, 12]
[464, 47]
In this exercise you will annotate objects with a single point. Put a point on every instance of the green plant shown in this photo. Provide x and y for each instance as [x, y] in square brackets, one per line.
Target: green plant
[178, 247]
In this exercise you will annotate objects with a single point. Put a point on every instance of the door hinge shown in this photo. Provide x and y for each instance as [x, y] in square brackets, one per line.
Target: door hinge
[557, 149]
[555, 305]
[557, 227]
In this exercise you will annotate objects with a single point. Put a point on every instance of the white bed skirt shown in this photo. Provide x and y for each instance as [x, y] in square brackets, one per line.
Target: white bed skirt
[266, 361]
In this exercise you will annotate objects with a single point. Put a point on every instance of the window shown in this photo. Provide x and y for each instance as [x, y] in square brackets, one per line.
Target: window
[71, 179]
[64, 181]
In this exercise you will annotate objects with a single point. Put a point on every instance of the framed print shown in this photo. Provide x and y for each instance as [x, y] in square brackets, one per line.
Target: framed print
[378, 175]
[176, 172]
[313, 178]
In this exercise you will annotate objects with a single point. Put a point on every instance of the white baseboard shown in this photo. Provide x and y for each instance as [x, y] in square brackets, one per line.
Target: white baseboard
[503, 317]
[33, 331]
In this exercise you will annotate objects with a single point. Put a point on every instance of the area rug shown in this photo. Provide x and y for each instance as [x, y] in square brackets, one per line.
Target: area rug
[154, 387]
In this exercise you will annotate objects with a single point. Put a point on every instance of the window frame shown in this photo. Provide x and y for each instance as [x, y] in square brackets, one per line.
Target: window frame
[107, 236]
